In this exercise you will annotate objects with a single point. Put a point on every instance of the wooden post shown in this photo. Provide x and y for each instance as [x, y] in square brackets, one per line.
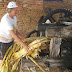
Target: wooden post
[55, 46]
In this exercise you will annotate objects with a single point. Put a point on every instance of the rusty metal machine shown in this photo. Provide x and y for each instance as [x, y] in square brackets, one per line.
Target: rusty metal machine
[57, 24]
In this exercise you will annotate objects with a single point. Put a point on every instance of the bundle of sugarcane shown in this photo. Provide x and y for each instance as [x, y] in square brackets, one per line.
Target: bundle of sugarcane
[16, 51]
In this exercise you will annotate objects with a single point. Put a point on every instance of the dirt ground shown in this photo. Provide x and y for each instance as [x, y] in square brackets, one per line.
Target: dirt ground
[29, 66]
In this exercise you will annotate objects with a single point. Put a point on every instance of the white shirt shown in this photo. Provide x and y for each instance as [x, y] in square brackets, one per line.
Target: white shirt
[7, 23]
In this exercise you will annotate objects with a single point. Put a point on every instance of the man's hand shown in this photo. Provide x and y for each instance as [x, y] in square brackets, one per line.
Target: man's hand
[26, 47]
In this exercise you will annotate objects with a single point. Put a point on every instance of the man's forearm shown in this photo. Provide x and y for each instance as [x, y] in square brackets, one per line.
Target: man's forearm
[20, 36]
[18, 39]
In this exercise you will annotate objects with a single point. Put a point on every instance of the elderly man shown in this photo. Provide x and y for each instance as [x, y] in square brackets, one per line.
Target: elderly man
[8, 30]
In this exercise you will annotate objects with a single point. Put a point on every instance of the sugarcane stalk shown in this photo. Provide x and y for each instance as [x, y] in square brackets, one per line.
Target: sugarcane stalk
[20, 53]
[23, 52]
[15, 65]
[17, 51]
[4, 69]
[6, 54]
[11, 52]
[36, 63]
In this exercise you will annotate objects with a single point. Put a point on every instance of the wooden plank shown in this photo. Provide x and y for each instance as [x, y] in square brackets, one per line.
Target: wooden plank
[62, 32]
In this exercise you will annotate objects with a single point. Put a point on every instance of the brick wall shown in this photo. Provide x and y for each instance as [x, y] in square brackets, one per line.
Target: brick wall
[58, 4]
[31, 11]
[28, 15]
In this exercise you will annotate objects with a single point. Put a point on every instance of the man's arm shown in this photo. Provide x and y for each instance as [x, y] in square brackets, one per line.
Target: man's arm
[12, 33]
[19, 35]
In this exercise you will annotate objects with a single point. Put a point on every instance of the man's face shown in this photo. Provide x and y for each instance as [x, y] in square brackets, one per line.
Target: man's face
[14, 12]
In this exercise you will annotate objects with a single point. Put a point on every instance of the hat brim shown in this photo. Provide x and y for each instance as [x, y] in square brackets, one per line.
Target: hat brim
[17, 7]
